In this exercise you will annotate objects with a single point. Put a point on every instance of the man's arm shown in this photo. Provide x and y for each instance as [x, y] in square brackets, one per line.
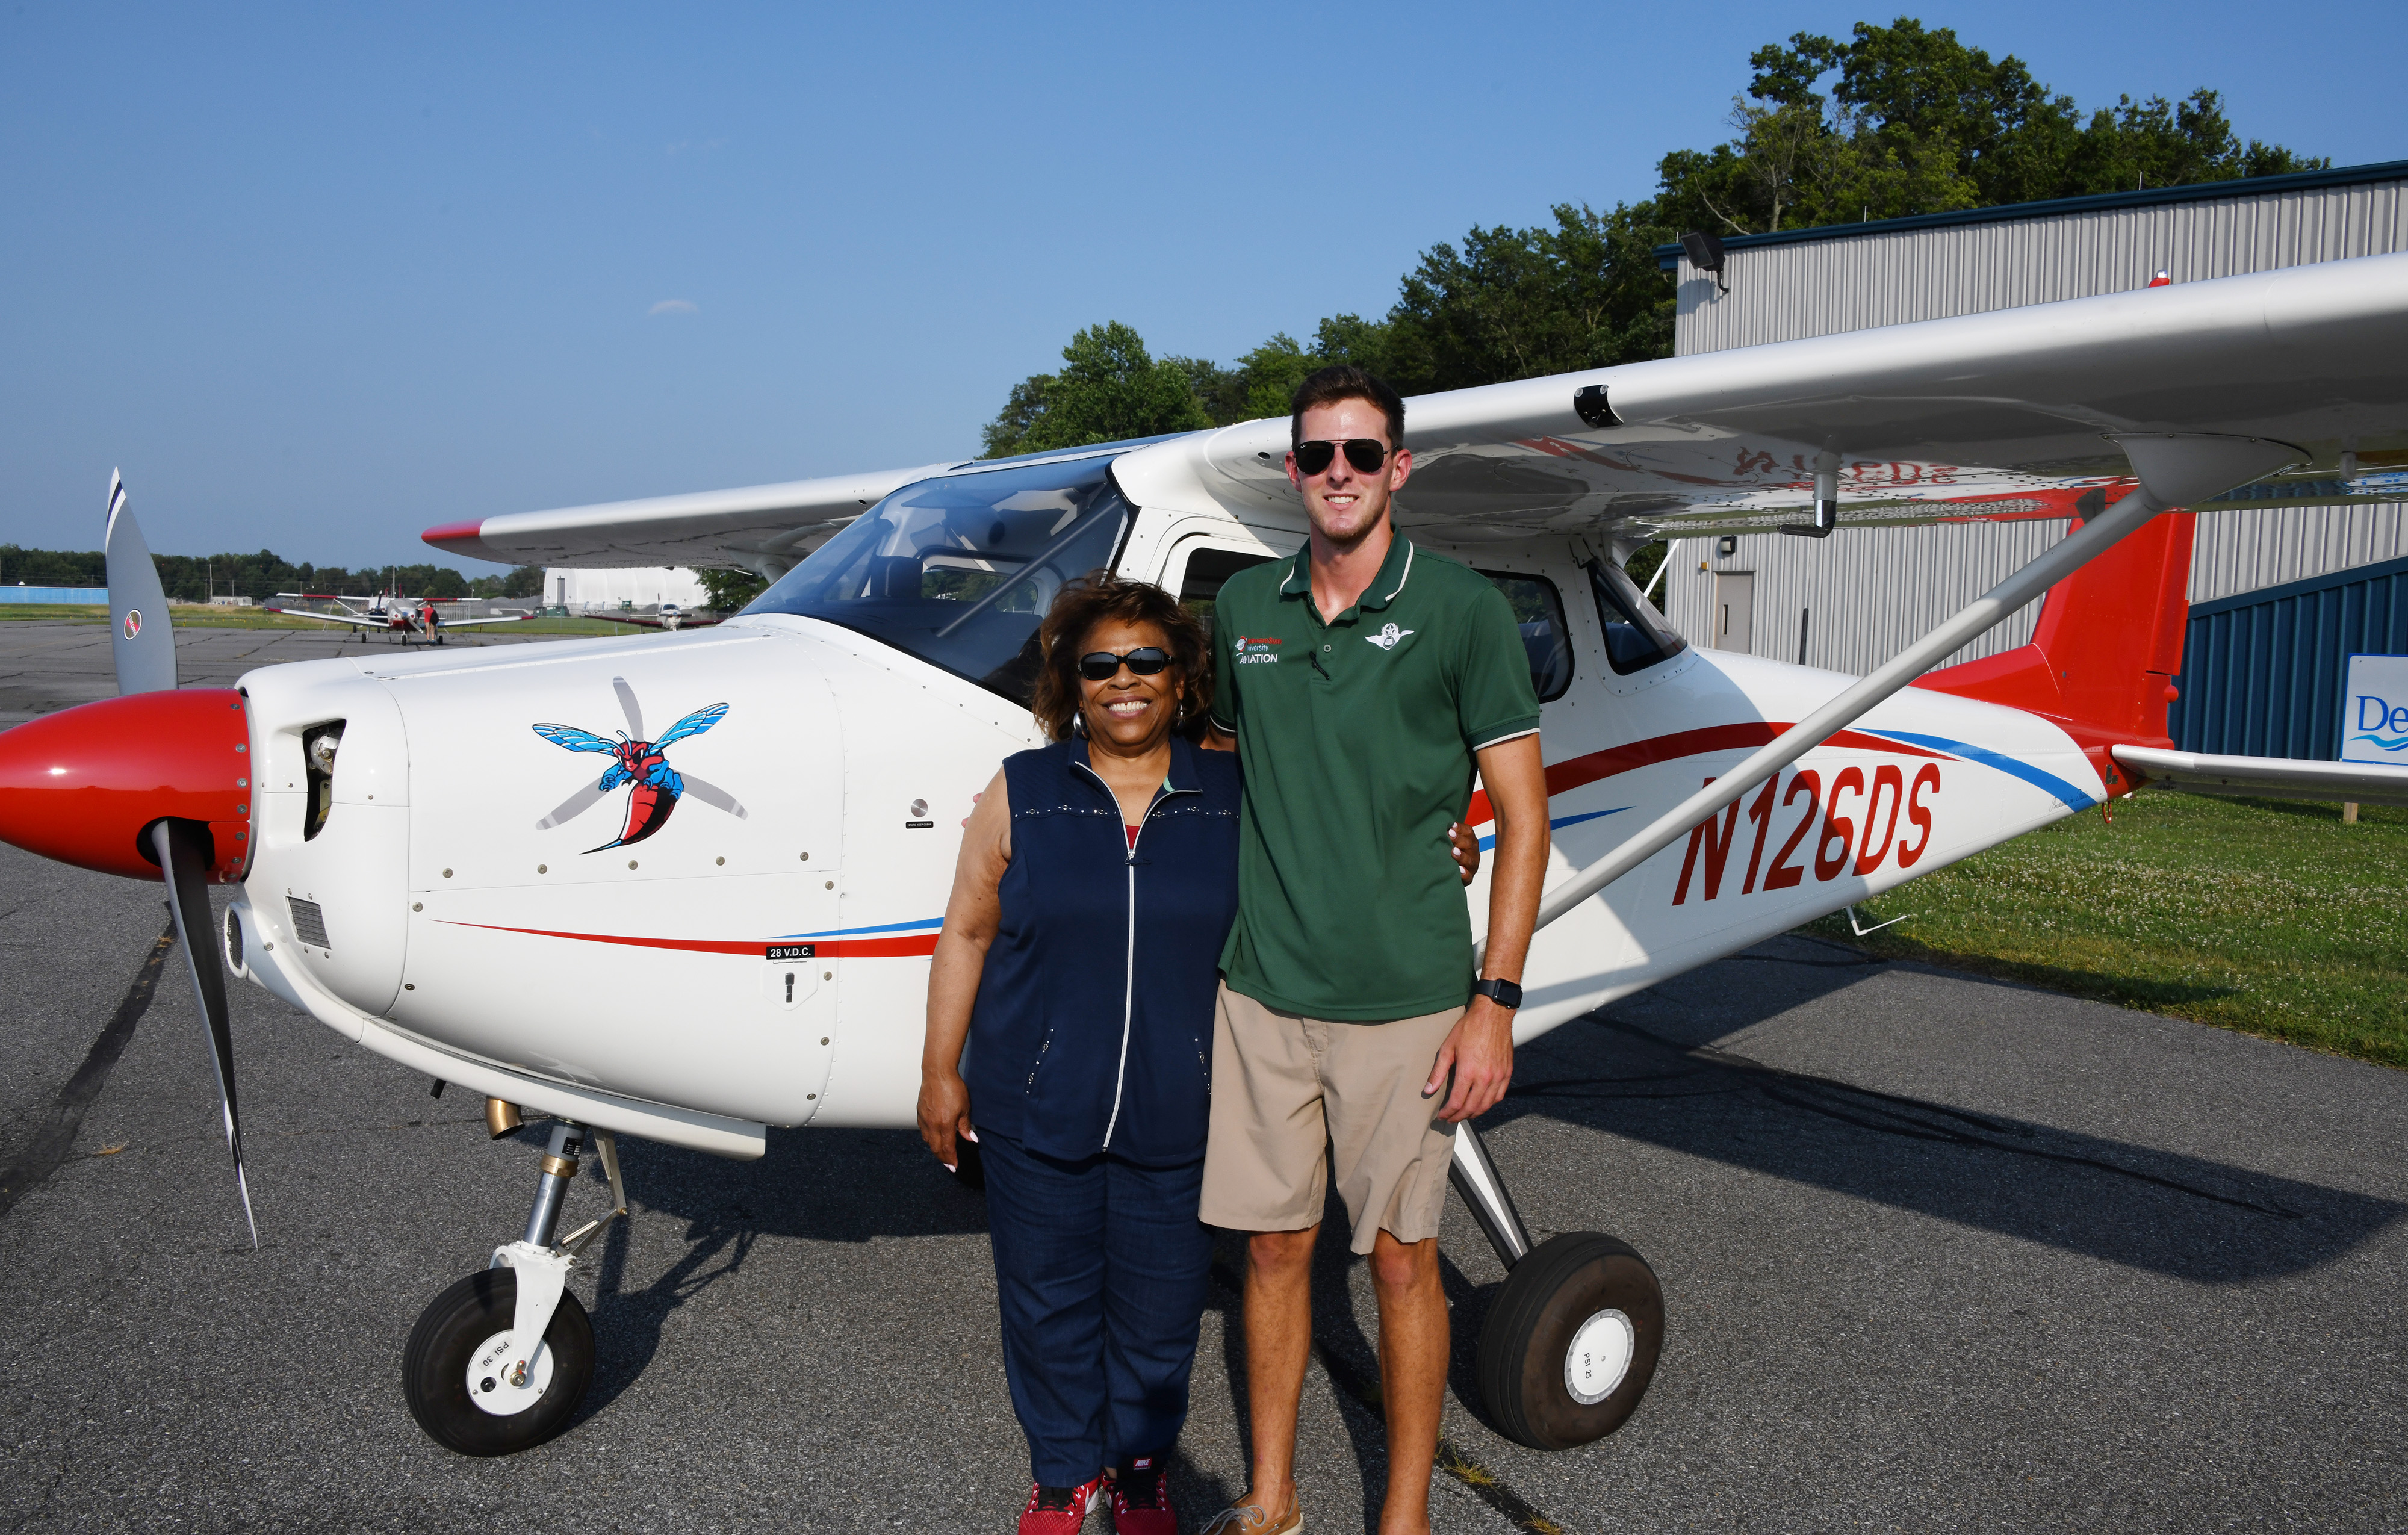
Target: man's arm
[1480, 1048]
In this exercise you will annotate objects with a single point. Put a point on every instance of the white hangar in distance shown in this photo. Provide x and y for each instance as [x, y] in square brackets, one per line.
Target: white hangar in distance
[1852, 601]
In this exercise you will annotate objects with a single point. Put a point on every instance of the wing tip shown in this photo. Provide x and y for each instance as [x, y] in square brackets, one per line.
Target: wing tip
[461, 538]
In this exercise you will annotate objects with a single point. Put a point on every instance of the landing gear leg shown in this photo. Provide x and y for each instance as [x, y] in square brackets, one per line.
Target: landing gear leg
[1572, 1343]
[499, 1361]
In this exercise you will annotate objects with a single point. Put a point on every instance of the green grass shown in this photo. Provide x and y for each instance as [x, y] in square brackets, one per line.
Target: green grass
[2267, 916]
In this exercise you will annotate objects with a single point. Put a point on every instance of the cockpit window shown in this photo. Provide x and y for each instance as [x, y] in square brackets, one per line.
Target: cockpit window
[1635, 634]
[961, 571]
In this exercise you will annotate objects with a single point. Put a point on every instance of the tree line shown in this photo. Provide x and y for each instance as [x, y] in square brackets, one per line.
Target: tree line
[193, 578]
[1899, 120]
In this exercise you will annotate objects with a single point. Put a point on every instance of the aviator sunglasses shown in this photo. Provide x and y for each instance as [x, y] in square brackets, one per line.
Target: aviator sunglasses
[1103, 665]
[1315, 454]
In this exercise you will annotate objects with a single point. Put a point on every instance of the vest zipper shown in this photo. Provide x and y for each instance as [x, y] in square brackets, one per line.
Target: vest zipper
[1128, 979]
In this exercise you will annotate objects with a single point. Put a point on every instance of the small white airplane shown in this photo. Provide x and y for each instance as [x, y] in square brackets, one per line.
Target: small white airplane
[388, 614]
[520, 874]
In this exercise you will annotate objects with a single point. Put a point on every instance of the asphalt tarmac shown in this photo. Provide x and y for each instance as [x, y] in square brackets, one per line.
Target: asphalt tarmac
[1939, 1253]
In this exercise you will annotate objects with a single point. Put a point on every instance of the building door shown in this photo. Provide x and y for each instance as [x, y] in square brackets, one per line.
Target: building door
[1734, 611]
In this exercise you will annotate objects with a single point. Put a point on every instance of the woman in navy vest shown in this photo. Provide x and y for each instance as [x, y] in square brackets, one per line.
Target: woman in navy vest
[1080, 956]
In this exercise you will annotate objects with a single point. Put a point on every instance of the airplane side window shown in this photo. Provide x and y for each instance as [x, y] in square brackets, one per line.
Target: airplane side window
[1539, 609]
[1199, 585]
[959, 571]
[1635, 634]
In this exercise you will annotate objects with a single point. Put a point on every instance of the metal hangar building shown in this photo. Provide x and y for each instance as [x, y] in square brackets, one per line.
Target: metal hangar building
[2280, 595]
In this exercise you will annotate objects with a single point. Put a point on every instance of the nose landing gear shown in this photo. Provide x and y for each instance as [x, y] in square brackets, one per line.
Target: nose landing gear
[499, 1361]
[1572, 1343]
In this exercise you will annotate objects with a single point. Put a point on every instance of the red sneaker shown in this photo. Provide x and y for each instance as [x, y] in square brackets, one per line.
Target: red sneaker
[1141, 1501]
[1059, 1511]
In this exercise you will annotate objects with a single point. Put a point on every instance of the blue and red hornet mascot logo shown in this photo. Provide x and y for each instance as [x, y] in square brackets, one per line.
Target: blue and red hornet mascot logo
[657, 787]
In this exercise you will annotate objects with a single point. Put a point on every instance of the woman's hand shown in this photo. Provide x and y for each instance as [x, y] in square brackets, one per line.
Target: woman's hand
[1467, 851]
[944, 1114]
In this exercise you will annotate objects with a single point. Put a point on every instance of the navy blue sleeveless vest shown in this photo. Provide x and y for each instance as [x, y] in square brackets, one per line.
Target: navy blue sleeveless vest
[1092, 1028]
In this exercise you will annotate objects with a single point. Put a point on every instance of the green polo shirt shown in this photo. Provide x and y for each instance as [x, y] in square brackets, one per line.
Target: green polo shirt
[1356, 738]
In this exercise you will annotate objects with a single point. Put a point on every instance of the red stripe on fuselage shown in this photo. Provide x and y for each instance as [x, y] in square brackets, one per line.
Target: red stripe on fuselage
[1573, 772]
[904, 945]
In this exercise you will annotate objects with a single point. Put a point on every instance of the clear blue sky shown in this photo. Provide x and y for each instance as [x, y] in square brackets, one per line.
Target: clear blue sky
[318, 276]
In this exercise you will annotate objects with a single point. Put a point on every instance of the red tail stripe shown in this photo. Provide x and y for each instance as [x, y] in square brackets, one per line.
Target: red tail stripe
[1573, 772]
[903, 946]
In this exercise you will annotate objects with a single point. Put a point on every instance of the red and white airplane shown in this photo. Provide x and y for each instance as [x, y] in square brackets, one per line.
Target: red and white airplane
[387, 613]
[505, 871]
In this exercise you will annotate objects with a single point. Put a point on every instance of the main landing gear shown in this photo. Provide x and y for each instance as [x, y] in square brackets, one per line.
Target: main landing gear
[1572, 1343]
[499, 1361]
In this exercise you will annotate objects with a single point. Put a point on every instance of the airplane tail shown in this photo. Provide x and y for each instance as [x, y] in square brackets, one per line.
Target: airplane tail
[2103, 657]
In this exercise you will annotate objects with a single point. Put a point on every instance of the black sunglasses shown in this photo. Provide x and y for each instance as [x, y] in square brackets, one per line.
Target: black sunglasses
[1103, 665]
[1314, 455]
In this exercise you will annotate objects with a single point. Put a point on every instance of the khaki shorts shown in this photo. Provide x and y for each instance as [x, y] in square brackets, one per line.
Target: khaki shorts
[1286, 1089]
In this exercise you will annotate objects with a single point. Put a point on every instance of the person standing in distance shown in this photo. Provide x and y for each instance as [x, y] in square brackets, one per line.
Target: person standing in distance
[1363, 680]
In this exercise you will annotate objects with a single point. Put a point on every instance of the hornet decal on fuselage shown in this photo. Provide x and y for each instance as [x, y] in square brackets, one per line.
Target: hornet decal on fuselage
[644, 764]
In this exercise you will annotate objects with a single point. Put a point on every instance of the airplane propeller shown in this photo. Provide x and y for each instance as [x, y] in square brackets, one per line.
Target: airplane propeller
[143, 639]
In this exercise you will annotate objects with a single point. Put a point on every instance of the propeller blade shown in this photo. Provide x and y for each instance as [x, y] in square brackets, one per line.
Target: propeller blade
[712, 794]
[628, 704]
[574, 806]
[139, 634]
[185, 860]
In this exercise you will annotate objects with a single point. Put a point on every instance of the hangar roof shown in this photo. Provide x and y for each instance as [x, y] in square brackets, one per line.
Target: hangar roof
[1668, 257]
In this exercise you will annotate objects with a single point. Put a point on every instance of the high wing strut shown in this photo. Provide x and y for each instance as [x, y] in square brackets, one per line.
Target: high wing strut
[2173, 472]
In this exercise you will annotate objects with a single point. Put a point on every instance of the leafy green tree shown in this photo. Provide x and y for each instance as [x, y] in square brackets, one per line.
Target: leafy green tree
[1109, 388]
[726, 590]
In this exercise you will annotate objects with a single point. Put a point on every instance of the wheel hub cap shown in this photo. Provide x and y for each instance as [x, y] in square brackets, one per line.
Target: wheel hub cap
[505, 1386]
[1599, 1356]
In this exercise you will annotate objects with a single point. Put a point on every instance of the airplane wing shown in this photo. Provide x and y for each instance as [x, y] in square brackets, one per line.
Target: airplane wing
[2007, 415]
[768, 528]
[643, 622]
[352, 619]
[472, 623]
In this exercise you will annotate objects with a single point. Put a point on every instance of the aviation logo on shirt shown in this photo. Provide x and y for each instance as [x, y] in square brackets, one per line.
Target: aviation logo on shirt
[1389, 637]
[1258, 653]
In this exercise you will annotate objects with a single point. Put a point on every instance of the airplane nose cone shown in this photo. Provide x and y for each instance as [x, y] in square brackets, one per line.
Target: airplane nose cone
[80, 785]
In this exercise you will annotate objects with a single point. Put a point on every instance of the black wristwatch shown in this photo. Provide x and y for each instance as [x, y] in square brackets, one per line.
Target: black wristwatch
[1505, 993]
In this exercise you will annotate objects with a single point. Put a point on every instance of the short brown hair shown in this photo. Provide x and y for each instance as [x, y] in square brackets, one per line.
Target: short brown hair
[1345, 382]
[1101, 597]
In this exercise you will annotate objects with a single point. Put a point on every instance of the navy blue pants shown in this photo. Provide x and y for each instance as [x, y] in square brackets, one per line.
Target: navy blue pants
[1101, 1267]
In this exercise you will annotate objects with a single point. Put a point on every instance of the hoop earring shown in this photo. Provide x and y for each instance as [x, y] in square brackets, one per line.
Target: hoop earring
[1079, 722]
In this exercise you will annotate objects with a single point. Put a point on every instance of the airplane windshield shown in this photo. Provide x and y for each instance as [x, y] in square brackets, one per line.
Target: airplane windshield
[960, 570]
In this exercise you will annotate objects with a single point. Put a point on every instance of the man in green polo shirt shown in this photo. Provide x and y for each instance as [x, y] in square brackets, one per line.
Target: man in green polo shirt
[1363, 680]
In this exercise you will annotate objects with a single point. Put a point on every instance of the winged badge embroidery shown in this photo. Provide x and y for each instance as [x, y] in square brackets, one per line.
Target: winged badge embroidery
[642, 763]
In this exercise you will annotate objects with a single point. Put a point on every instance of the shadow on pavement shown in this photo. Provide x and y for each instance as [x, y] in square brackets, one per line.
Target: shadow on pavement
[1660, 1081]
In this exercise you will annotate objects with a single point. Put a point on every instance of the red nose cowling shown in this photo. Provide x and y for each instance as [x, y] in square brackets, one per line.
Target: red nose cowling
[80, 785]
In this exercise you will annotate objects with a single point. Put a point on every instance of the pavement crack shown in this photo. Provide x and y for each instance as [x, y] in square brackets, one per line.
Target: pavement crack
[56, 1134]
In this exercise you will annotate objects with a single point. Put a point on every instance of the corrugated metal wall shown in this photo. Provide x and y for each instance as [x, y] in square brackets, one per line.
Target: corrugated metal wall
[1782, 293]
[1870, 593]
[1866, 595]
[2262, 672]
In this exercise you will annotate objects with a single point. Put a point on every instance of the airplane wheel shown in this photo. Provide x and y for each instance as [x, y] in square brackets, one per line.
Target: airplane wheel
[471, 1408]
[1572, 1343]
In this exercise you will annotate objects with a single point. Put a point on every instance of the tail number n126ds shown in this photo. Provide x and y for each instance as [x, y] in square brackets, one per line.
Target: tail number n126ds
[1859, 821]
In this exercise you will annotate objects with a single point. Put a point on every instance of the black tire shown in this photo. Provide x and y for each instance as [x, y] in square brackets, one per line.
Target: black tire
[434, 1366]
[1566, 1282]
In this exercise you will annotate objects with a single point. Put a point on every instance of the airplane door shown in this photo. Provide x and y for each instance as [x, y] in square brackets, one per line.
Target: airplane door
[1196, 568]
[1734, 611]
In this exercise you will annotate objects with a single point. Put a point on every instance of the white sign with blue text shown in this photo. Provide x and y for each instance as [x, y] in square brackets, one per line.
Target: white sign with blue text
[2374, 710]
